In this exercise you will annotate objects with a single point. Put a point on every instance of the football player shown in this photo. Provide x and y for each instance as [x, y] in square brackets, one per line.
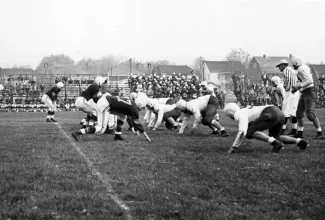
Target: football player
[50, 98]
[108, 104]
[160, 113]
[307, 100]
[204, 109]
[254, 120]
[279, 90]
[86, 102]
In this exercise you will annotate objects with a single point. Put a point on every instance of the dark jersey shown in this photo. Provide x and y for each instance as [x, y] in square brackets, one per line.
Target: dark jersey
[53, 93]
[91, 92]
[118, 105]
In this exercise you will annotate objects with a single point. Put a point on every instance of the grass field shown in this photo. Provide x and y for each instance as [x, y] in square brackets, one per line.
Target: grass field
[44, 174]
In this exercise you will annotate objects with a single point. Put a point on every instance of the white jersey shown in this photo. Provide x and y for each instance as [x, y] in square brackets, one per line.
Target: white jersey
[160, 110]
[279, 93]
[305, 77]
[245, 116]
[195, 107]
[149, 116]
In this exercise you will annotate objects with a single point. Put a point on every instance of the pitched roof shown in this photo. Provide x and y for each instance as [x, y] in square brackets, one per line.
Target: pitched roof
[318, 69]
[268, 64]
[225, 66]
[185, 70]
[16, 71]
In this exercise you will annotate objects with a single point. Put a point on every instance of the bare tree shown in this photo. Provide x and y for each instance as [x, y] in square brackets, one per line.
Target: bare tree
[239, 55]
[198, 66]
[54, 60]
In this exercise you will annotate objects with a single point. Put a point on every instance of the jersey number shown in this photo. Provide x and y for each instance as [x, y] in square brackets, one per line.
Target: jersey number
[121, 100]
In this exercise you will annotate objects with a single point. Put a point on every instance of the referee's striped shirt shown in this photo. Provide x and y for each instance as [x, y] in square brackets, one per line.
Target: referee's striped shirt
[290, 78]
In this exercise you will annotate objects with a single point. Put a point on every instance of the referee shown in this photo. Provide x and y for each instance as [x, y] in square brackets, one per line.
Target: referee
[290, 100]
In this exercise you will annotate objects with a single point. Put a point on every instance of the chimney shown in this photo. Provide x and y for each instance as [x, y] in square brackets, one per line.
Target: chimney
[290, 56]
[264, 56]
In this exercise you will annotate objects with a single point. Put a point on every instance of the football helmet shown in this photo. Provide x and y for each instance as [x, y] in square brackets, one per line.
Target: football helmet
[230, 109]
[60, 85]
[298, 61]
[276, 80]
[99, 80]
[181, 104]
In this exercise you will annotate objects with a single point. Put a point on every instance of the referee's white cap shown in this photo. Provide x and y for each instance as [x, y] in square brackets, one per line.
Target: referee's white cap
[282, 62]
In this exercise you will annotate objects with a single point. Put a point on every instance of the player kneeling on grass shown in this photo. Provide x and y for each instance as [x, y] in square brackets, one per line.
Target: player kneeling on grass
[49, 99]
[254, 120]
[204, 109]
[108, 104]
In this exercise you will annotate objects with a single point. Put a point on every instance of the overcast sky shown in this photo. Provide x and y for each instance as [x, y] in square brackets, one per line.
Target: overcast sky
[175, 30]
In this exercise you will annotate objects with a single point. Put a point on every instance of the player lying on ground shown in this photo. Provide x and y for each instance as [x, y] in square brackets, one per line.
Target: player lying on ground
[50, 98]
[108, 104]
[204, 109]
[254, 120]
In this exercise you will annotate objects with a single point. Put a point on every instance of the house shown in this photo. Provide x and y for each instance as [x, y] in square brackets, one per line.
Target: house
[218, 73]
[171, 69]
[263, 64]
[16, 71]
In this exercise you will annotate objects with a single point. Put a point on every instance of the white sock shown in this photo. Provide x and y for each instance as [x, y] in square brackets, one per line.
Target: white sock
[298, 140]
[319, 129]
[300, 128]
[222, 129]
[83, 131]
[294, 126]
[49, 116]
[284, 127]
[271, 139]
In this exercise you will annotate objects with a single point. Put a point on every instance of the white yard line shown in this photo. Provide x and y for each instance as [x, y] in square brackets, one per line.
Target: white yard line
[104, 179]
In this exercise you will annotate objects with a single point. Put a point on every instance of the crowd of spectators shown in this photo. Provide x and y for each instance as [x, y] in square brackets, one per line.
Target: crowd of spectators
[262, 93]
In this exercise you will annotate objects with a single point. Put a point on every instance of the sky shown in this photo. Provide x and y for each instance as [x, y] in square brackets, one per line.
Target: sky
[149, 30]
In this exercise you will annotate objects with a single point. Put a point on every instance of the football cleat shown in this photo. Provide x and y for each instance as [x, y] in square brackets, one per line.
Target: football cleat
[299, 134]
[215, 132]
[52, 119]
[224, 133]
[48, 120]
[118, 137]
[319, 136]
[303, 144]
[277, 146]
[75, 135]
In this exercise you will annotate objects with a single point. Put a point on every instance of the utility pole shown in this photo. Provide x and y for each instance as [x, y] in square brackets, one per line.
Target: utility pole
[130, 65]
